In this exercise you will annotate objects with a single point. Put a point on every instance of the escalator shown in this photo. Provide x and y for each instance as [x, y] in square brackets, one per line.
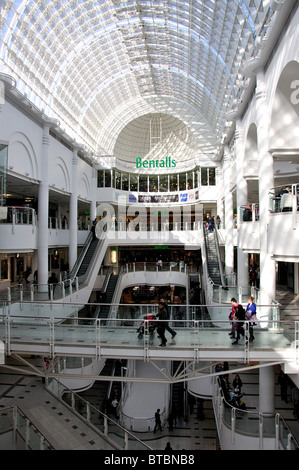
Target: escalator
[102, 392]
[87, 259]
[80, 269]
[178, 391]
[214, 264]
[104, 310]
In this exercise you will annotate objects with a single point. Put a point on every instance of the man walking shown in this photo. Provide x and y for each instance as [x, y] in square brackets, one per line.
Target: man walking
[157, 420]
[162, 315]
[167, 327]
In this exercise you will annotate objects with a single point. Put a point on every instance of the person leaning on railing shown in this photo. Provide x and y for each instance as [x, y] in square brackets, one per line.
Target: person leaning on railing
[247, 215]
[287, 197]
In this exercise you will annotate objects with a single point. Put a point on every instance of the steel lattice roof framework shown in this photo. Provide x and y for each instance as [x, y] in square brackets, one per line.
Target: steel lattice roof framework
[97, 66]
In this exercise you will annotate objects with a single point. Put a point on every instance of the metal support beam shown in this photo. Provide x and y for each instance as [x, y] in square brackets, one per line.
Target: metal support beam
[185, 376]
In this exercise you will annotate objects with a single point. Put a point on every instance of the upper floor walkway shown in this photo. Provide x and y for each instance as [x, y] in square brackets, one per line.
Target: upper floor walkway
[58, 330]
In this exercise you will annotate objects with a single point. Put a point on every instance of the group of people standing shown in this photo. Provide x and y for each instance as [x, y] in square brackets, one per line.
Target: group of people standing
[239, 315]
[212, 223]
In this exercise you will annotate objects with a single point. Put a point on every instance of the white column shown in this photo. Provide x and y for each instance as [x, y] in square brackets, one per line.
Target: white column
[266, 182]
[229, 215]
[296, 278]
[220, 195]
[43, 213]
[93, 203]
[267, 389]
[73, 223]
[241, 193]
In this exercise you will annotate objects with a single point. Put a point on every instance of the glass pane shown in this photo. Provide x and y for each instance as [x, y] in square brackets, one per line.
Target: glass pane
[163, 183]
[108, 179]
[153, 183]
[125, 182]
[196, 178]
[204, 176]
[143, 183]
[118, 180]
[133, 183]
[182, 181]
[173, 183]
[190, 180]
[212, 176]
[101, 174]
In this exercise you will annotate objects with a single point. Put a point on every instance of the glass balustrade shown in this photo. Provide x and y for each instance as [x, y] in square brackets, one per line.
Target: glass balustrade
[249, 213]
[284, 198]
[99, 420]
[41, 329]
[20, 215]
[238, 419]
[25, 435]
[58, 326]
[66, 286]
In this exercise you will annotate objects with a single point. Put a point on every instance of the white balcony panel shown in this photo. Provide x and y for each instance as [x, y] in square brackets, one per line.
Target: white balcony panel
[16, 238]
[23, 238]
[283, 236]
[249, 236]
[58, 237]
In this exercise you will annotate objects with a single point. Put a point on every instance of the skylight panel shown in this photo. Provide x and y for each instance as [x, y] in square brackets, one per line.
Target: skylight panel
[181, 47]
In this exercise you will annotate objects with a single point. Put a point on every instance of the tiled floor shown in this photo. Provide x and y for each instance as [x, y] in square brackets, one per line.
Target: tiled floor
[56, 423]
[66, 432]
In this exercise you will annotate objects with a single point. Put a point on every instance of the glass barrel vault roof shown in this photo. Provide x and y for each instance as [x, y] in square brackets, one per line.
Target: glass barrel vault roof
[98, 65]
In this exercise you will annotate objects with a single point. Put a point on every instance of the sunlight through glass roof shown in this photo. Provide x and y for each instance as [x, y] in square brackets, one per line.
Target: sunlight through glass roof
[100, 66]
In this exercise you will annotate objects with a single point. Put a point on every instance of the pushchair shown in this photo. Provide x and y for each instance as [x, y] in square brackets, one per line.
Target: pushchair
[237, 402]
[151, 327]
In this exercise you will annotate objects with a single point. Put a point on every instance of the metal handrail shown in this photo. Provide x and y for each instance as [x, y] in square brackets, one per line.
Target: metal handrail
[223, 283]
[80, 258]
[276, 417]
[105, 417]
[44, 444]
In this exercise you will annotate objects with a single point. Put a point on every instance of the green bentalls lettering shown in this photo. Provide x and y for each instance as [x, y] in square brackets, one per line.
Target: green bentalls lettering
[166, 163]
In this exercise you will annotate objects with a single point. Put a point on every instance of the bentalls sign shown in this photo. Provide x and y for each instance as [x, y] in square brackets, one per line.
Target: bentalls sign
[166, 163]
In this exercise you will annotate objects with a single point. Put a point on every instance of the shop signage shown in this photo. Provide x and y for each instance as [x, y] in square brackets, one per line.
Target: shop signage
[166, 163]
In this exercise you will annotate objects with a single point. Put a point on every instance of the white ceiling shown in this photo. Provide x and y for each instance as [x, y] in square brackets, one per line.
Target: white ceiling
[103, 67]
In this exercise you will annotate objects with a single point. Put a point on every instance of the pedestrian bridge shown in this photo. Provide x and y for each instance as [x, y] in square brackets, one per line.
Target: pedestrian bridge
[57, 330]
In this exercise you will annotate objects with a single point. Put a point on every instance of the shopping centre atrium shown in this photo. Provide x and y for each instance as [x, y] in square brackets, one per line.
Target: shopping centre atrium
[135, 138]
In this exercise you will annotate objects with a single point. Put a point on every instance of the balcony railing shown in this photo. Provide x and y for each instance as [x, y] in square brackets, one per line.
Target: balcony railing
[284, 199]
[20, 215]
[104, 425]
[25, 434]
[66, 285]
[262, 426]
[254, 213]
